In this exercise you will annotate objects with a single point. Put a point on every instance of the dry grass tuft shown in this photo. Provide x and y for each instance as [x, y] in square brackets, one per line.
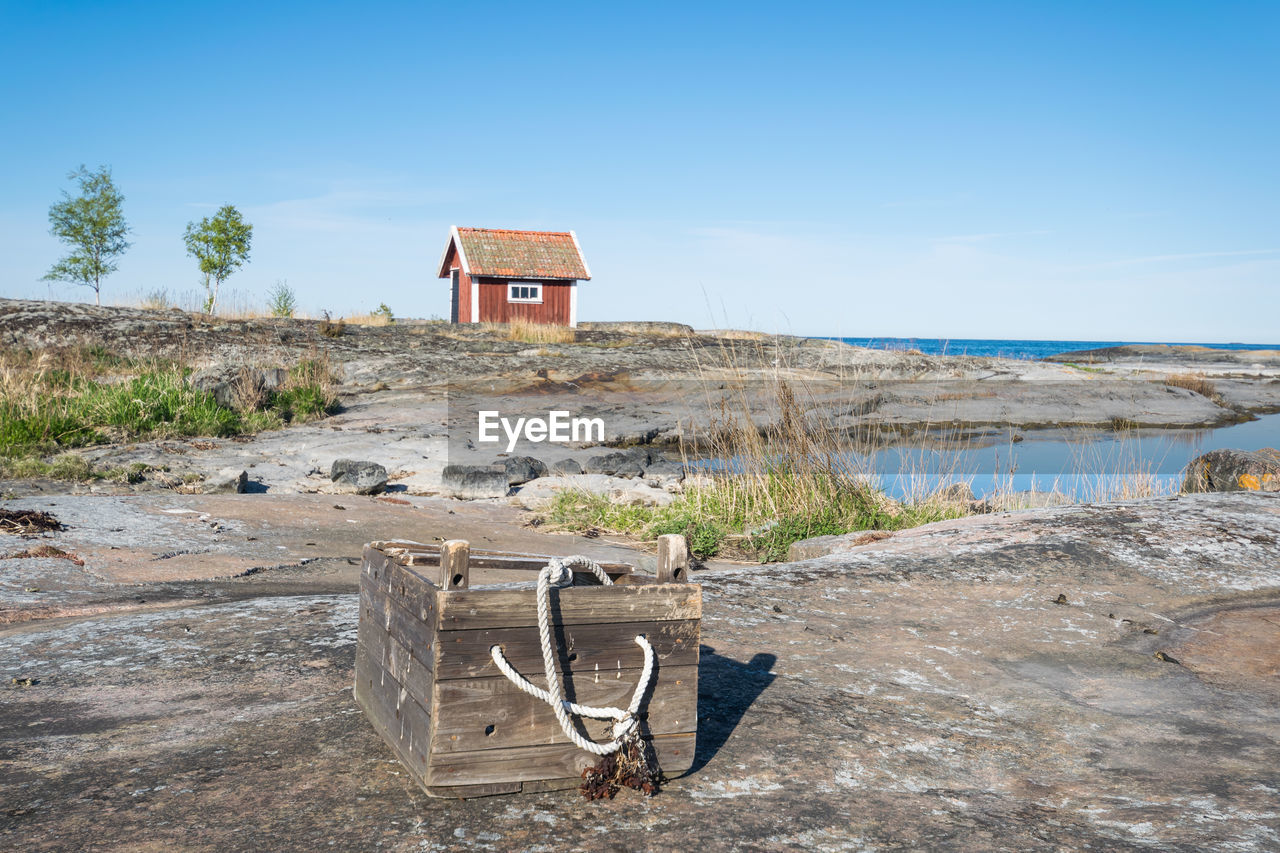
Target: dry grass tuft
[1194, 382]
[47, 551]
[526, 331]
[157, 300]
[374, 318]
[332, 328]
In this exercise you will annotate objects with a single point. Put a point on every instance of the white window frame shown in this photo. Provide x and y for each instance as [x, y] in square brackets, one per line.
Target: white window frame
[537, 289]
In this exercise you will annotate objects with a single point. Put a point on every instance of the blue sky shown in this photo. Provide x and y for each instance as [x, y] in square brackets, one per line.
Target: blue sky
[1043, 170]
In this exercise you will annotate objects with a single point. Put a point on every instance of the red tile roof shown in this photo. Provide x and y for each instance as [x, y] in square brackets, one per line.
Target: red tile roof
[504, 253]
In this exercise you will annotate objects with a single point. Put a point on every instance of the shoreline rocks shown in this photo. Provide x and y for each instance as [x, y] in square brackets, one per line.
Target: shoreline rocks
[565, 467]
[522, 469]
[228, 481]
[621, 490]
[630, 462]
[474, 482]
[361, 478]
[1234, 471]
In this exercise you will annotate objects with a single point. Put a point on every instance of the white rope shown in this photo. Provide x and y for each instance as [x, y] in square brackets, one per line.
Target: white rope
[559, 573]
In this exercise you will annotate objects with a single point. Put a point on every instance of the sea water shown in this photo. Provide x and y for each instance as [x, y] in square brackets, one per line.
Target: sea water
[1032, 350]
[1083, 464]
[1080, 463]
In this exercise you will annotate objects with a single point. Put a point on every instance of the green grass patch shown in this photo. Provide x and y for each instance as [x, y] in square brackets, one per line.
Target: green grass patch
[81, 411]
[52, 403]
[65, 466]
[790, 476]
[69, 466]
[727, 520]
[1084, 367]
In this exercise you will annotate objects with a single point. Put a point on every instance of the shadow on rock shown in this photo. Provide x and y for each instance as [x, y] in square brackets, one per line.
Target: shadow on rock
[726, 689]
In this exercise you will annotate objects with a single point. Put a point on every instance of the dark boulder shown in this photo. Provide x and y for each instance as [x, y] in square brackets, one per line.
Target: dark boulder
[522, 469]
[566, 467]
[664, 470]
[363, 478]
[620, 463]
[1234, 471]
[474, 482]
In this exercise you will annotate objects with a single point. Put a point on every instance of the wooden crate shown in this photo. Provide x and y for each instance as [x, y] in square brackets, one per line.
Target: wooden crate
[425, 678]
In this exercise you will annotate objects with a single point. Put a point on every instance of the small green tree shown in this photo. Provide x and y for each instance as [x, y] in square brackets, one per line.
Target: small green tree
[93, 225]
[221, 245]
[281, 300]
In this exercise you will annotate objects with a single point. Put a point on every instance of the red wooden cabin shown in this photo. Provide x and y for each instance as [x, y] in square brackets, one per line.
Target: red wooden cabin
[497, 275]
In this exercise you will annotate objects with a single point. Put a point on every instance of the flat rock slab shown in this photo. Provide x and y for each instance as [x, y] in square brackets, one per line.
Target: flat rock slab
[924, 691]
[539, 493]
[134, 546]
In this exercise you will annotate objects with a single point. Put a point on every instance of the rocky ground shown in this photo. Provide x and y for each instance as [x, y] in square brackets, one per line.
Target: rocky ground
[177, 667]
[1169, 358]
[1083, 678]
[395, 384]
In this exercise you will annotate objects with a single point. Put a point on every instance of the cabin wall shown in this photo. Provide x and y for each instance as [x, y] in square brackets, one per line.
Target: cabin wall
[554, 308]
[452, 262]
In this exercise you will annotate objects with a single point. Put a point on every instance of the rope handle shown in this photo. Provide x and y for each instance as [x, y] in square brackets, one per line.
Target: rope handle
[559, 573]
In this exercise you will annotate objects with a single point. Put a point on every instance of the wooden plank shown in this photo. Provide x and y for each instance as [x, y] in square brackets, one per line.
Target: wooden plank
[505, 608]
[633, 579]
[372, 579]
[454, 569]
[536, 786]
[673, 559]
[535, 564]
[467, 792]
[419, 554]
[416, 636]
[389, 545]
[411, 671]
[412, 591]
[410, 588]
[555, 761]
[492, 713]
[432, 549]
[373, 567]
[461, 654]
[518, 562]
[391, 696]
[399, 720]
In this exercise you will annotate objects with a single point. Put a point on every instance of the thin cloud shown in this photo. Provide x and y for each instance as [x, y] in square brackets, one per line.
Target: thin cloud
[1187, 256]
[994, 235]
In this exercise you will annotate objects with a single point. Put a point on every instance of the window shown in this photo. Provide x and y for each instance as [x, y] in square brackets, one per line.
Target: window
[524, 291]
